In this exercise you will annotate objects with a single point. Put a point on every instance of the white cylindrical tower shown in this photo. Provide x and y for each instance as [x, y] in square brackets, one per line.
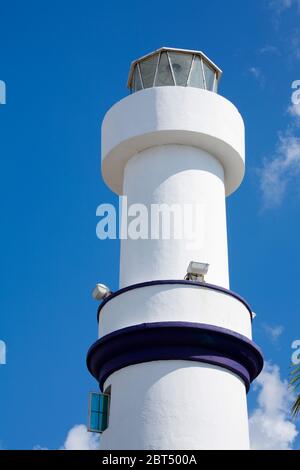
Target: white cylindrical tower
[175, 353]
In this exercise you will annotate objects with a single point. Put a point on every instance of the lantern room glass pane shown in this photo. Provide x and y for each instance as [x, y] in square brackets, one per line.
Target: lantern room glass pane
[137, 84]
[196, 77]
[216, 83]
[209, 76]
[181, 64]
[148, 69]
[174, 67]
[164, 75]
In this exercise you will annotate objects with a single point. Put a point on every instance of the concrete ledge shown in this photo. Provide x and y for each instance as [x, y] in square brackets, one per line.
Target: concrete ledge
[175, 340]
[174, 300]
[173, 115]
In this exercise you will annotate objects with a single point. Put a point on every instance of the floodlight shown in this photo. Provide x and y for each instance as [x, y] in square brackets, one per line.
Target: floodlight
[196, 271]
[100, 292]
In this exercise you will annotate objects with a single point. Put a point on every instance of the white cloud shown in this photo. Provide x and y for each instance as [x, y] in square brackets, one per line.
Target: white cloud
[274, 332]
[294, 110]
[78, 438]
[272, 50]
[256, 72]
[294, 42]
[279, 170]
[270, 423]
[283, 168]
[279, 6]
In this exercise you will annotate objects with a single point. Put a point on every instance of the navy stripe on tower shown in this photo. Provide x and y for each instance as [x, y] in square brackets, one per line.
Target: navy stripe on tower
[175, 341]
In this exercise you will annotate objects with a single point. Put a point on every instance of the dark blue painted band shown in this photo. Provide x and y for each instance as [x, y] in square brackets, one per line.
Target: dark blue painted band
[171, 282]
[175, 341]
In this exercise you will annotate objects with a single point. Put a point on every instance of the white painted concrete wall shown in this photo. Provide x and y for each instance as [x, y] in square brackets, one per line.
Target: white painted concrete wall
[174, 303]
[176, 405]
[177, 174]
[168, 145]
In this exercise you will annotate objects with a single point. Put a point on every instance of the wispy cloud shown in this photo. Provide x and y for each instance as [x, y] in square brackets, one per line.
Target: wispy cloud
[272, 50]
[257, 73]
[294, 43]
[273, 332]
[271, 427]
[280, 170]
[279, 6]
[278, 9]
[294, 110]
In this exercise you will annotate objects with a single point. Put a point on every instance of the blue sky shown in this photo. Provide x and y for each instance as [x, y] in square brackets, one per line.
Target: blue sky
[64, 65]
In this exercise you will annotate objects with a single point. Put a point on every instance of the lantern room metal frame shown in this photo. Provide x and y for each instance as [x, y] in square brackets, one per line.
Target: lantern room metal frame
[136, 66]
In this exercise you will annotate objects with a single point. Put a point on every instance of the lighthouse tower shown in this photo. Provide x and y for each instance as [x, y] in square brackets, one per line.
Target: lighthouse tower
[175, 353]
